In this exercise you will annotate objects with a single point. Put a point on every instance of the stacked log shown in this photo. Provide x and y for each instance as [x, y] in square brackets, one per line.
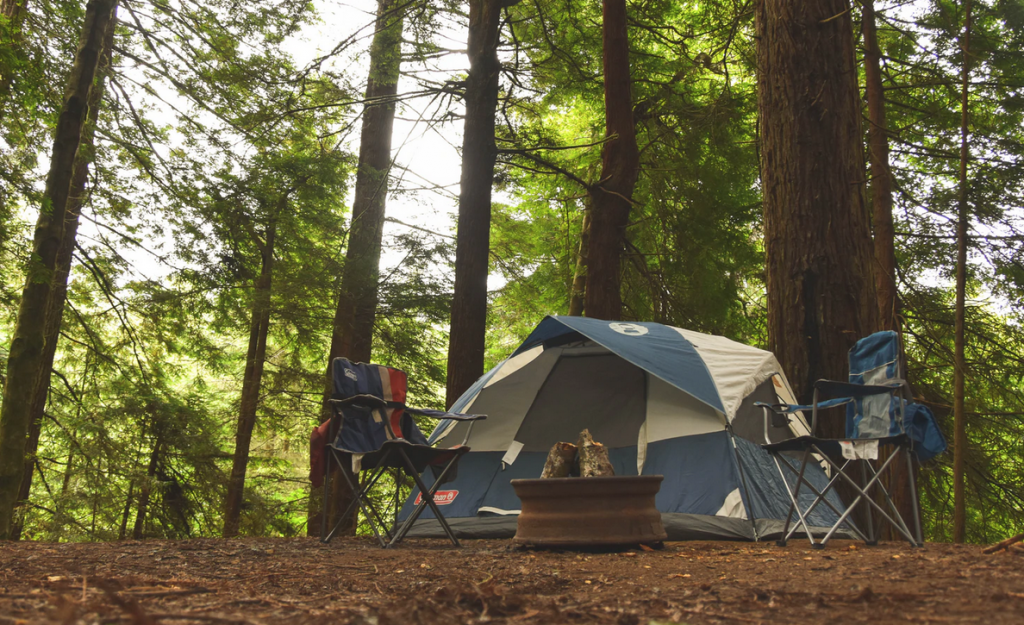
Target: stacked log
[587, 458]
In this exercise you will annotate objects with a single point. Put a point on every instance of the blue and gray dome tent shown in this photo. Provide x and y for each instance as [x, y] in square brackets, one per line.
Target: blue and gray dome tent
[664, 401]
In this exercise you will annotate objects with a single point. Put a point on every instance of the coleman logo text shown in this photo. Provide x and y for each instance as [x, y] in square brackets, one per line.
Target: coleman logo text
[441, 497]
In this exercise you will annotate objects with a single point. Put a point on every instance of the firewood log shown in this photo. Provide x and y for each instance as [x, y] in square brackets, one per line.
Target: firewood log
[593, 457]
[560, 460]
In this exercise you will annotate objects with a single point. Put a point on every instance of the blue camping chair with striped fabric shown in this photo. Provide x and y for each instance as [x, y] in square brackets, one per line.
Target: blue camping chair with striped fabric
[879, 412]
[372, 430]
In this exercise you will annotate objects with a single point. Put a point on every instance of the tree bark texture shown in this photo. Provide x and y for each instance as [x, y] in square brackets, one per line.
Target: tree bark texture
[252, 378]
[472, 245]
[881, 176]
[58, 295]
[593, 457]
[560, 461]
[355, 314]
[821, 295]
[611, 197]
[25, 358]
[960, 372]
[579, 278]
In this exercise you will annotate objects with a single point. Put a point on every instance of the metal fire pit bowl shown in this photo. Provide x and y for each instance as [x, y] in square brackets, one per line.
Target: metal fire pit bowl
[589, 511]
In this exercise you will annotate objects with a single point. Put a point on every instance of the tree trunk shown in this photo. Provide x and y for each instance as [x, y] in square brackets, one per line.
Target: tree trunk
[259, 327]
[355, 314]
[881, 176]
[58, 296]
[472, 245]
[579, 278]
[123, 532]
[960, 372]
[611, 198]
[138, 531]
[884, 237]
[821, 295]
[25, 358]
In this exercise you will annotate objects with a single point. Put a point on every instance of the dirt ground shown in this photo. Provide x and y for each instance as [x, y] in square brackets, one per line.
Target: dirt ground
[271, 581]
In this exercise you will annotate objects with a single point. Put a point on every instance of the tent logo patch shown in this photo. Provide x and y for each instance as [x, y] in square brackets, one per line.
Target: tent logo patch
[441, 497]
[629, 329]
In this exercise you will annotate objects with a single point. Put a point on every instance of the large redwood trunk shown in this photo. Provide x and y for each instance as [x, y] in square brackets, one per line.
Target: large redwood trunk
[58, 295]
[472, 246]
[611, 197]
[25, 359]
[355, 315]
[259, 327]
[821, 295]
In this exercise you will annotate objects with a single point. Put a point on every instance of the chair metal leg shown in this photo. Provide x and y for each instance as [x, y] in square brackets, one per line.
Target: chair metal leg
[821, 498]
[794, 498]
[863, 495]
[870, 521]
[427, 496]
[361, 498]
[913, 498]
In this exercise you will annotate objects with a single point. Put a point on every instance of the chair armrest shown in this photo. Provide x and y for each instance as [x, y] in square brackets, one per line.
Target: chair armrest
[440, 414]
[361, 401]
[778, 413]
[831, 389]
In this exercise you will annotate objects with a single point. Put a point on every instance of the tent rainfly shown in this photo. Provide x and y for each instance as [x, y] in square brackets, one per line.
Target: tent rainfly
[665, 401]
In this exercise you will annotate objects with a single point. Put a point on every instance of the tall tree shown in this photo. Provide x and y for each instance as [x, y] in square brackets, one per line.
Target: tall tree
[259, 328]
[27, 349]
[472, 245]
[58, 295]
[611, 197]
[821, 296]
[355, 314]
[959, 375]
[881, 176]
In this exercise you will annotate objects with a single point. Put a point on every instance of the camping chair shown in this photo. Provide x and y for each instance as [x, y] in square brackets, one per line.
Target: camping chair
[876, 400]
[372, 430]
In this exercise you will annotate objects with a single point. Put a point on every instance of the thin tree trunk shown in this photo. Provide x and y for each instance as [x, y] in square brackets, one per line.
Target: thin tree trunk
[960, 372]
[123, 532]
[58, 296]
[579, 278]
[881, 176]
[611, 198]
[472, 245]
[355, 314]
[138, 531]
[884, 235]
[259, 327]
[25, 358]
[821, 295]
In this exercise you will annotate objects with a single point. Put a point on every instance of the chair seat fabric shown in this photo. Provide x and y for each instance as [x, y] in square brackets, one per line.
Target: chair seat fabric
[830, 446]
[422, 456]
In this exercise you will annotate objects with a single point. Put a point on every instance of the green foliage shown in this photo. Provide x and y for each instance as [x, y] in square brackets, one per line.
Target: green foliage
[211, 134]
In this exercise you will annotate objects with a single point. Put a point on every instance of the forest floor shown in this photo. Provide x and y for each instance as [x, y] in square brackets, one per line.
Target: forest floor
[271, 581]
